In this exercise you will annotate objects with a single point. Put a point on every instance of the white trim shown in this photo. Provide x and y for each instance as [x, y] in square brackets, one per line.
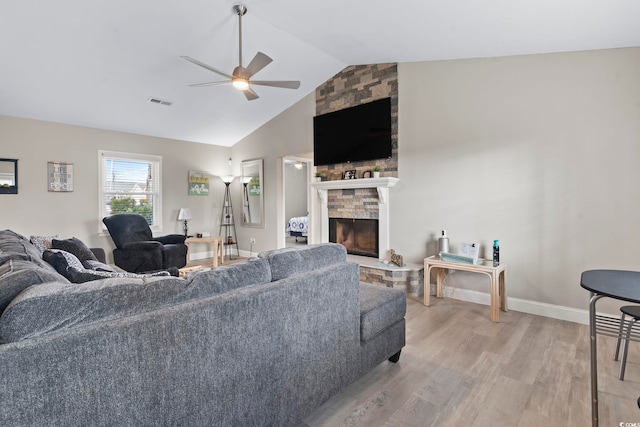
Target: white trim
[385, 182]
[553, 311]
[158, 226]
[381, 184]
[281, 221]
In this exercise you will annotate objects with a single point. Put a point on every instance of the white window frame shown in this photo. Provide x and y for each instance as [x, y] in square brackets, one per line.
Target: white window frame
[103, 156]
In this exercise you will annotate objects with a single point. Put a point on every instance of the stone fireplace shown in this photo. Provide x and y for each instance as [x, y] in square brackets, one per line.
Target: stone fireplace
[372, 203]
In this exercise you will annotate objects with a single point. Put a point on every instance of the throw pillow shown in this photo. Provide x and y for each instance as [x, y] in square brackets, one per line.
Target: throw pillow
[42, 242]
[74, 246]
[62, 261]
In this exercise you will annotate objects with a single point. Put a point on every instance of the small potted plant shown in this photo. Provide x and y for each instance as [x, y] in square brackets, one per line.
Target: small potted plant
[318, 177]
[376, 172]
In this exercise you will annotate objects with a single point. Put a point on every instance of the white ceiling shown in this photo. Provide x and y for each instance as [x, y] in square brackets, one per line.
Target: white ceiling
[96, 63]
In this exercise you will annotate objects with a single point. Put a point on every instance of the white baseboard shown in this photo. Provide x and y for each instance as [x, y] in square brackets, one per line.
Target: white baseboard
[195, 256]
[560, 312]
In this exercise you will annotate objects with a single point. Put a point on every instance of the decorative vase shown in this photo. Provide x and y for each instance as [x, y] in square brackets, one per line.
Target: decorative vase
[376, 174]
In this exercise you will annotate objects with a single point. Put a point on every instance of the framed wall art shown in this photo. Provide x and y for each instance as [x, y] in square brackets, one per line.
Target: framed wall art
[60, 176]
[350, 174]
[198, 183]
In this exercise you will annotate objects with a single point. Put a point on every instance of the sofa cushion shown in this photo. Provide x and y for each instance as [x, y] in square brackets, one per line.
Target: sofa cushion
[380, 307]
[254, 271]
[58, 306]
[17, 275]
[13, 246]
[50, 307]
[74, 246]
[295, 260]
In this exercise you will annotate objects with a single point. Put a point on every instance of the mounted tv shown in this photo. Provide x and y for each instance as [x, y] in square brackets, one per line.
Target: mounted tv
[353, 134]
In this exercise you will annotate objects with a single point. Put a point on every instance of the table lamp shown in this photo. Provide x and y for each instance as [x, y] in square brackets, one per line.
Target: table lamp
[184, 215]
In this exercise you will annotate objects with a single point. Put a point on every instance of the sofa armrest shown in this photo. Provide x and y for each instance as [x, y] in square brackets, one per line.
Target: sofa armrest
[170, 239]
[142, 246]
[99, 254]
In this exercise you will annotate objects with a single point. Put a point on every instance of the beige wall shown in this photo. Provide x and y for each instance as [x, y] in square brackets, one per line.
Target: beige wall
[541, 152]
[34, 210]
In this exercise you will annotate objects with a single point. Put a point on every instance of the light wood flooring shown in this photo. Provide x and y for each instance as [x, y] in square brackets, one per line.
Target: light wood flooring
[460, 369]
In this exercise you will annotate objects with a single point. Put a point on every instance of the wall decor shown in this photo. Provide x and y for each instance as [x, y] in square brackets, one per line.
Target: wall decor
[198, 183]
[350, 174]
[8, 176]
[60, 176]
[396, 258]
[367, 174]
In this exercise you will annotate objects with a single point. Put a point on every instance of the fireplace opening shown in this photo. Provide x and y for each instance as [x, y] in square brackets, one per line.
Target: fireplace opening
[358, 236]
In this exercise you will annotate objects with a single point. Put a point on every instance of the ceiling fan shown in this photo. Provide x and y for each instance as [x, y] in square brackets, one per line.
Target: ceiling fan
[241, 76]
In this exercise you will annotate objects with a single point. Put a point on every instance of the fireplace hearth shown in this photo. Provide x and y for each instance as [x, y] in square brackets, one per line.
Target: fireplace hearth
[358, 236]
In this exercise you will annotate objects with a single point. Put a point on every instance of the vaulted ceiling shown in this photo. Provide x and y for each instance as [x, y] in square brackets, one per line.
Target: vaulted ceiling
[97, 63]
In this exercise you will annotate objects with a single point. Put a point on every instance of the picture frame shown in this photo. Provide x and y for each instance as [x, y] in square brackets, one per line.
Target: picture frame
[60, 177]
[350, 174]
[198, 183]
[367, 174]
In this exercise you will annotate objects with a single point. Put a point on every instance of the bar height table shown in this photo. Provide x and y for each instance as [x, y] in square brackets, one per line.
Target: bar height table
[617, 284]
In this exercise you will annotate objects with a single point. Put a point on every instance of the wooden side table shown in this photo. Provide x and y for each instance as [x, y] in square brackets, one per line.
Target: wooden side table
[218, 247]
[497, 276]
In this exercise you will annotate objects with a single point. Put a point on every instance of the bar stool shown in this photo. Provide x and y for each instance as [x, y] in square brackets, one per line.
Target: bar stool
[632, 311]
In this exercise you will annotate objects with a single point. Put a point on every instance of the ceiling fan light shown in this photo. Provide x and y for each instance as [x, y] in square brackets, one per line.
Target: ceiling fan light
[240, 84]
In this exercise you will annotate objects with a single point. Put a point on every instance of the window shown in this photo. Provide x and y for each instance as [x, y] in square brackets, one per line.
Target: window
[131, 183]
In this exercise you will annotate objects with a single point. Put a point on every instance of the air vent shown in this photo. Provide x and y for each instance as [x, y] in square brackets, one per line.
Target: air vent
[159, 101]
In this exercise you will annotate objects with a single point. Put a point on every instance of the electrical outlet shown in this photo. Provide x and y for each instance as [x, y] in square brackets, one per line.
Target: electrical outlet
[252, 240]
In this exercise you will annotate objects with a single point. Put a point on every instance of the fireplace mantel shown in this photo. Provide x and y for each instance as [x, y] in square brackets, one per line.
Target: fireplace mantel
[381, 184]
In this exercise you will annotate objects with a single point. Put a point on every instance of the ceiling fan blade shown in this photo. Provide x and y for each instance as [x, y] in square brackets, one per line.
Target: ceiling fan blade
[208, 67]
[257, 63]
[250, 94]
[287, 84]
[210, 84]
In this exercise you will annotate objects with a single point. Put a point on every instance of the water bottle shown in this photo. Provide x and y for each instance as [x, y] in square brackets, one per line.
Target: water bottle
[496, 253]
[443, 243]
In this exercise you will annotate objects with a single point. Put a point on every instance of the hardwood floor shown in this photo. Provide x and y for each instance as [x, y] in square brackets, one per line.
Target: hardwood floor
[460, 369]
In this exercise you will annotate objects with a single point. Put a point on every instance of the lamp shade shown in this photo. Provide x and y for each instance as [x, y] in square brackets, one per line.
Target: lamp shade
[185, 214]
[246, 179]
[227, 178]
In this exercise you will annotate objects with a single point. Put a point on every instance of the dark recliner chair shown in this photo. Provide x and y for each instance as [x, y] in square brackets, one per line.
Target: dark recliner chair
[138, 251]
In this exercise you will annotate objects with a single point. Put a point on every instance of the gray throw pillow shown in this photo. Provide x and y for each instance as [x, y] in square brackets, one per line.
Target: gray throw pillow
[62, 261]
[74, 246]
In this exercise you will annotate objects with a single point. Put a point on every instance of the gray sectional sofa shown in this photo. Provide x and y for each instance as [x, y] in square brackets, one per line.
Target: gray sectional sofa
[263, 342]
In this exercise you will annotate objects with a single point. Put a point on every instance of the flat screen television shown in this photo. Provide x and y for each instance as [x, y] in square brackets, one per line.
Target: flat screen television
[353, 134]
